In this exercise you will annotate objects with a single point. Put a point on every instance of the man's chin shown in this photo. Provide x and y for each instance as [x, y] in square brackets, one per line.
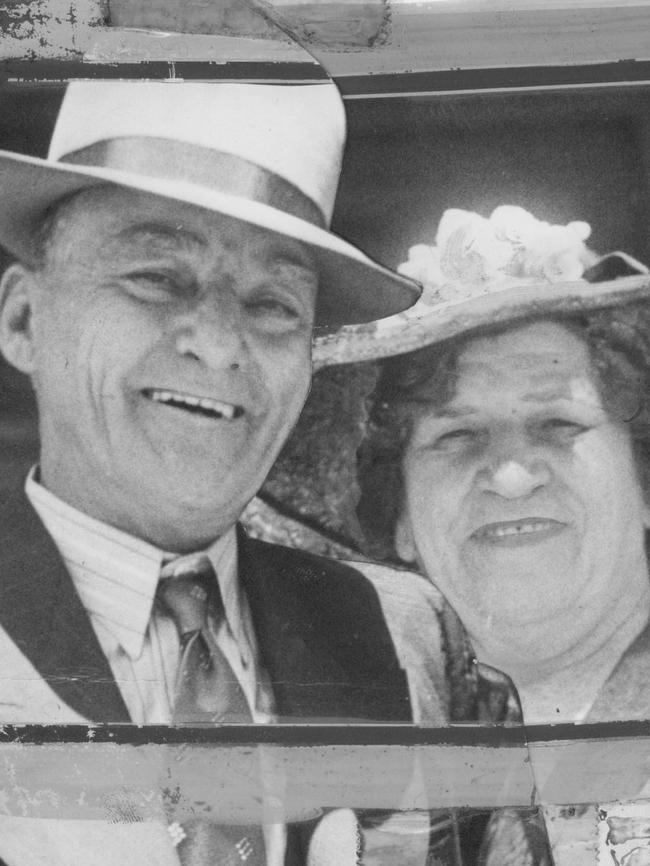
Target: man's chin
[181, 524]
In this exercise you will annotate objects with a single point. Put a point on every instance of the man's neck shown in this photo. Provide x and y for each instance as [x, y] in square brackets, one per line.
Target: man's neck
[183, 530]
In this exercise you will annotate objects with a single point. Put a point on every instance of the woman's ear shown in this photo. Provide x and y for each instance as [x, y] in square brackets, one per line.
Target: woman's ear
[646, 512]
[16, 297]
[404, 540]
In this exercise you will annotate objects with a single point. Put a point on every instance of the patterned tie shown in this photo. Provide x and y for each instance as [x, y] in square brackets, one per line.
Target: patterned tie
[207, 691]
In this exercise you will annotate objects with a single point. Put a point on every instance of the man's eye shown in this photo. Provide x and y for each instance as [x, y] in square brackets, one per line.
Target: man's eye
[274, 312]
[273, 305]
[154, 282]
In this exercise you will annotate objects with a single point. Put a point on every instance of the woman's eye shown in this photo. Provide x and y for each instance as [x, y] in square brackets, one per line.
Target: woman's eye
[562, 428]
[455, 440]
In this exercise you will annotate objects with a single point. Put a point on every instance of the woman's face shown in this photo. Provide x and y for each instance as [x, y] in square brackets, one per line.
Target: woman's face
[522, 500]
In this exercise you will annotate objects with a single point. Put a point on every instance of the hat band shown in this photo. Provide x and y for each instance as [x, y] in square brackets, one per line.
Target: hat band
[212, 169]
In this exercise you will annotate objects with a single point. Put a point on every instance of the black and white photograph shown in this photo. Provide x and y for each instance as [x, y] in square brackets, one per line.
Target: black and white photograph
[325, 434]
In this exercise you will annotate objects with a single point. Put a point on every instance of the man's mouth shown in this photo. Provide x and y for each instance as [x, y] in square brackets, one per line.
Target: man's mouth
[527, 529]
[206, 406]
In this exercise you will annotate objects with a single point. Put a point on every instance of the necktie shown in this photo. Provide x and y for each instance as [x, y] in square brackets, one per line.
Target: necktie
[207, 691]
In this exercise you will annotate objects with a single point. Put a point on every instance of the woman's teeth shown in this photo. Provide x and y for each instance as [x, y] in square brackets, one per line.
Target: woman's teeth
[509, 529]
[205, 405]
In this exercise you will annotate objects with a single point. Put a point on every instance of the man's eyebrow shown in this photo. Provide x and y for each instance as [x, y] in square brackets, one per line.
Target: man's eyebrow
[282, 253]
[154, 233]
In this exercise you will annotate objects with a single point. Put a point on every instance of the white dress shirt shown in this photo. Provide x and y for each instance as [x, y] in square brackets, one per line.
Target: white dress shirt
[116, 577]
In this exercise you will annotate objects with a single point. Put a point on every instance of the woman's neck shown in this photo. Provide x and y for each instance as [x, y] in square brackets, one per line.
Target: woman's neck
[568, 694]
[564, 689]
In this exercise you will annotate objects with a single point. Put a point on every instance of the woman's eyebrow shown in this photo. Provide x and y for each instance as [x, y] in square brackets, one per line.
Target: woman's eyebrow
[550, 395]
[456, 411]
[444, 411]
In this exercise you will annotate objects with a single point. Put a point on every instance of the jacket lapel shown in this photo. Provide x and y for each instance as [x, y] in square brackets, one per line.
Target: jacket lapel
[322, 637]
[42, 613]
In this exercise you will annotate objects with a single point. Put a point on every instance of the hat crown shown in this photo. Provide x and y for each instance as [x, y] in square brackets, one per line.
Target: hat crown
[474, 255]
[485, 272]
[294, 131]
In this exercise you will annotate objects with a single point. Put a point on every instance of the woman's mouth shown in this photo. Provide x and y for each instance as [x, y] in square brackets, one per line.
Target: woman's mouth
[514, 532]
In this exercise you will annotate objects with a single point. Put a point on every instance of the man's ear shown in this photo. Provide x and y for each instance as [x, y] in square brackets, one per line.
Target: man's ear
[16, 296]
[404, 540]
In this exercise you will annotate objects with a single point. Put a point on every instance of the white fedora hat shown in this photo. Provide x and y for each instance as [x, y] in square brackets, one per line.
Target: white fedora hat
[266, 154]
[483, 272]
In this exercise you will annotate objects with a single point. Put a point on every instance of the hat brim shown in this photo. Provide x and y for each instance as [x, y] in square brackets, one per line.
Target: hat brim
[353, 289]
[425, 325]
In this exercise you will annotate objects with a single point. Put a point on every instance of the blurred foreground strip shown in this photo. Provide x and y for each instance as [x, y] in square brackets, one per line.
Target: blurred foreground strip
[123, 774]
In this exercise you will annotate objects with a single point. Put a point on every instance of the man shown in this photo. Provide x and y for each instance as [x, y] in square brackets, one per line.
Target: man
[172, 258]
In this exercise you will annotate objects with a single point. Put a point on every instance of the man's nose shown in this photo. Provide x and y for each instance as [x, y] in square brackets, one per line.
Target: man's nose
[213, 331]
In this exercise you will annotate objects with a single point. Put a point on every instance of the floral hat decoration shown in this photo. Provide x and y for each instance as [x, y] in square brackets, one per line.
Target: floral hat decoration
[487, 271]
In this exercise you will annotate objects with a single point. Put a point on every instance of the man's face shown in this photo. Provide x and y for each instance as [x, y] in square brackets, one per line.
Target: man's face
[171, 358]
[522, 497]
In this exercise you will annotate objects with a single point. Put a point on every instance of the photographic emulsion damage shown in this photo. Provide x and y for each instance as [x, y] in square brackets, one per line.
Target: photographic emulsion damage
[324, 362]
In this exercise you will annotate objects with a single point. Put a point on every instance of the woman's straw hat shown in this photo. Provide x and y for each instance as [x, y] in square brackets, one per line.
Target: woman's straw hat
[482, 272]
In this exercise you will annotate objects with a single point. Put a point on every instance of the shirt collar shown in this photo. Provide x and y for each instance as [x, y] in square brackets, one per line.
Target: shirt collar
[116, 575]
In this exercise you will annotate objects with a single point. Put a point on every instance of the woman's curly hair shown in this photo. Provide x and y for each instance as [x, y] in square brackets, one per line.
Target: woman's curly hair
[619, 345]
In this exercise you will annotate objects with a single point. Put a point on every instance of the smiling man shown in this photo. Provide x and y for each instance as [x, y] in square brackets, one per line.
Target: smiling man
[172, 260]
[169, 351]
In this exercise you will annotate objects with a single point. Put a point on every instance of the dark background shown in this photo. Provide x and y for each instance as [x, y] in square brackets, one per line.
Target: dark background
[563, 154]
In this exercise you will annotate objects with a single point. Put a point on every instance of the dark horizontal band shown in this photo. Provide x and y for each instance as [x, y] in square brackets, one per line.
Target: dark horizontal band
[211, 169]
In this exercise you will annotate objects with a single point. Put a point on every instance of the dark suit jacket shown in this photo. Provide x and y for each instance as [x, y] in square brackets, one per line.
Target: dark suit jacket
[320, 630]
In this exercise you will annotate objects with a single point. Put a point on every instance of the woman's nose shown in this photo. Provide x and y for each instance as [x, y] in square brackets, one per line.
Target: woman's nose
[516, 478]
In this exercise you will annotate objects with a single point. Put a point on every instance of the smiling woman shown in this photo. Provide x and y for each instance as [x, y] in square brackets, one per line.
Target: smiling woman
[618, 346]
[502, 506]
[511, 462]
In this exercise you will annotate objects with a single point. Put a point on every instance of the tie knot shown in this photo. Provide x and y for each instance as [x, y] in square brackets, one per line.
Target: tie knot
[186, 587]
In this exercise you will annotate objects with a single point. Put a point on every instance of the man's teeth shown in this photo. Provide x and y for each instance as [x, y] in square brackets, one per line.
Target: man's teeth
[213, 407]
[516, 529]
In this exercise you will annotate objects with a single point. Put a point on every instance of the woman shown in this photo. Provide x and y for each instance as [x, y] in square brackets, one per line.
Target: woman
[508, 459]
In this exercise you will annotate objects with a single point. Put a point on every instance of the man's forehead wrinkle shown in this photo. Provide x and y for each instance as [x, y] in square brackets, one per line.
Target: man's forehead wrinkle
[152, 234]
